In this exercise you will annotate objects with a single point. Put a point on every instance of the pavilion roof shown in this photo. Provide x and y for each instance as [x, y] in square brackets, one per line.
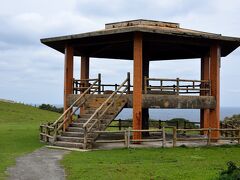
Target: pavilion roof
[161, 41]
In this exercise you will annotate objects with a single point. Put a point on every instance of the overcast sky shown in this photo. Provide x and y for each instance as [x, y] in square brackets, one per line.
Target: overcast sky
[33, 73]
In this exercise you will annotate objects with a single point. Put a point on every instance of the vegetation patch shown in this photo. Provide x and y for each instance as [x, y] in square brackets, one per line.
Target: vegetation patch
[232, 172]
[19, 132]
[153, 163]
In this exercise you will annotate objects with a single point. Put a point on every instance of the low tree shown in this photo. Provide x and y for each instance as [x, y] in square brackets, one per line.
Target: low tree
[49, 107]
[232, 172]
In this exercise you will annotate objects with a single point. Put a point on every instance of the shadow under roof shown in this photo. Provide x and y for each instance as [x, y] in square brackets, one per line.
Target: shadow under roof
[161, 41]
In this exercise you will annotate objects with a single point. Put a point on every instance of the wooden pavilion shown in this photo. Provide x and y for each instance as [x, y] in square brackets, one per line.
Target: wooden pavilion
[142, 41]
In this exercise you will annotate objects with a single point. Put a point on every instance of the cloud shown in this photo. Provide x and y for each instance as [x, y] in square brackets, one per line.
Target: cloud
[36, 71]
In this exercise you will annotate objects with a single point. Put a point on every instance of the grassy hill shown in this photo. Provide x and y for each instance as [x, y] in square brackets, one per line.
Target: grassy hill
[19, 134]
[19, 126]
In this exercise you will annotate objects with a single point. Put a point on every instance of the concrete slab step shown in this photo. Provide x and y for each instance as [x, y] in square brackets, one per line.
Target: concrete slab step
[76, 134]
[73, 139]
[68, 144]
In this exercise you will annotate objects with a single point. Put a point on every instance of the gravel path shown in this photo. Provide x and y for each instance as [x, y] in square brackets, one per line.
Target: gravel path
[42, 164]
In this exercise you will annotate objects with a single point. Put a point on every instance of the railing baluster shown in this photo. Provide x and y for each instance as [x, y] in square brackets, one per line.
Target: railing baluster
[177, 86]
[128, 83]
[99, 83]
[145, 84]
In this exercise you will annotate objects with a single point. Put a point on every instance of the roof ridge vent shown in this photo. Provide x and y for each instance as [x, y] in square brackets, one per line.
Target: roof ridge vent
[141, 22]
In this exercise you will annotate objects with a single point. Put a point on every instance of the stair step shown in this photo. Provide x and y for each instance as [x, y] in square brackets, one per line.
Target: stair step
[68, 144]
[74, 129]
[83, 120]
[76, 124]
[75, 134]
[72, 134]
[86, 115]
[73, 139]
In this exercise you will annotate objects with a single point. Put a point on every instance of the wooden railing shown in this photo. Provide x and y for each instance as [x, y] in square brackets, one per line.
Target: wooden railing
[176, 86]
[121, 123]
[81, 85]
[51, 130]
[103, 109]
[161, 136]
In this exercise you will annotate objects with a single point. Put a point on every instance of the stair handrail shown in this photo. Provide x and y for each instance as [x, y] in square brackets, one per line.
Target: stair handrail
[74, 104]
[66, 119]
[127, 80]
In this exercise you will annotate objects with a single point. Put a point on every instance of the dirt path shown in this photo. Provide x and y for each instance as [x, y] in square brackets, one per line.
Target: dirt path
[42, 164]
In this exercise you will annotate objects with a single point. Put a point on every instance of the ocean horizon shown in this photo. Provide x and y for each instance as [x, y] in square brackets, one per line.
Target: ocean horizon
[167, 114]
[189, 114]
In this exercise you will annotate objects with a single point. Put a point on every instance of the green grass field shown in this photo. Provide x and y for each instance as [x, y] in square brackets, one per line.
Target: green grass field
[178, 163]
[19, 135]
[19, 131]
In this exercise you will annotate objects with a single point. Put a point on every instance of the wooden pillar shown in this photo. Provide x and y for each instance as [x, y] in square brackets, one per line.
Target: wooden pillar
[84, 67]
[214, 116]
[137, 84]
[84, 75]
[68, 74]
[205, 75]
[145, 111]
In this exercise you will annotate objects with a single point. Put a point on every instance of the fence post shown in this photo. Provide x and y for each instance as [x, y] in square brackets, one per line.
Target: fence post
[177, 86]
[47, 133]
[85, 138]
[184, 126]
[238, 136]
[99, 83]
[145, 84]
[119, 124]
[209, 136]
[177, 124]
[40, 135]
[174, 136]
[163, 137]
[129, 137]
[128, 83]
[159, 124]
[126, 138]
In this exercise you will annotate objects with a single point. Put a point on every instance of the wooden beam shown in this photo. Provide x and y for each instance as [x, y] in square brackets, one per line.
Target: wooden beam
[68, 74]
[84, 67]
[214, 116]
[68, 77]
[84, 74]
[205, 75]
[137, 84]
[145, 111]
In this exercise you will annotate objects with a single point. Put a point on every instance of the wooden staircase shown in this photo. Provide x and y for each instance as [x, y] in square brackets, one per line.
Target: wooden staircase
[97, 112]
[73, 136]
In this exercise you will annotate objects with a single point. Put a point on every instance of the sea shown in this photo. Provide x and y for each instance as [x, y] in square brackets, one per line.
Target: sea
[192, 115]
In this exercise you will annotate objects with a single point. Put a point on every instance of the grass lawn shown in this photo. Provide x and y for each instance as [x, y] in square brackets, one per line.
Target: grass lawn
[170, 163]
[19, 131]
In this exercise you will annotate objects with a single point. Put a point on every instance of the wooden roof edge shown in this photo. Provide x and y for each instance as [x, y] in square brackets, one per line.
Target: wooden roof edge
[147, 29]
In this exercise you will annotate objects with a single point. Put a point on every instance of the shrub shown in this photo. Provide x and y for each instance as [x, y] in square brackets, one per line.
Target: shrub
[232, 172]
[233, 121]
[50, 108]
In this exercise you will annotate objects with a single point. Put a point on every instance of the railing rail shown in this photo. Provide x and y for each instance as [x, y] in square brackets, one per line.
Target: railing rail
[66, 117]
[179, 86]
[101, 111]
[172, 139]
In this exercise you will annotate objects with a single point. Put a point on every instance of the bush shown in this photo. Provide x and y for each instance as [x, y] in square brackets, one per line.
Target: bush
[49, 107]
[181, 122]
[232, 172]
[233, 121]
